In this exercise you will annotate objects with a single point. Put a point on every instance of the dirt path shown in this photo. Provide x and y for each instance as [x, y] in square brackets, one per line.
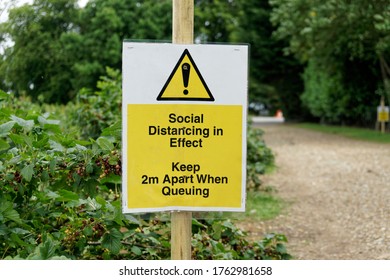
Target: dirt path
[338, 195]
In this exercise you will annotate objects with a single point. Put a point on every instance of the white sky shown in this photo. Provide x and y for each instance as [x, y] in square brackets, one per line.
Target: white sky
[4, 16]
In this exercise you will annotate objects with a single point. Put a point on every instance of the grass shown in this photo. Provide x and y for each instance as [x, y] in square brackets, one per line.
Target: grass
[260, 205]
[351, 132]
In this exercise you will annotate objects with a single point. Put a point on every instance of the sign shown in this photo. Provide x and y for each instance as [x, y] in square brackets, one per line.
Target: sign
[383, 113]
[184, 127]
[185, 74]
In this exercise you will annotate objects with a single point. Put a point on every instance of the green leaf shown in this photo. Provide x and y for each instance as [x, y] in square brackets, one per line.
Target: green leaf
[113, 130]
[27, 172]
[136, 250]
[132, 219]
[101, 200]
[55, 146]
[27, 125]
[44, 121]
[8, 213]
[105, 144]
[112, 241]
[67, 196]
[92, 204]
[112, 178]
[4, 145]
[88, 231]
[41, 143]
[15, 238]
[3, 95]
[6, 127]
[46, 250]
[3, 229]
[280, 248]
[17, 139]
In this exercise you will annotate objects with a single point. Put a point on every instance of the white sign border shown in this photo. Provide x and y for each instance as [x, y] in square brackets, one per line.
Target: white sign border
[133, 92]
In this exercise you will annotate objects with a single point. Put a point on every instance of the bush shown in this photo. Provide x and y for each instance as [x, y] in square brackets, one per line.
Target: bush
[260, 158]
[60, 196]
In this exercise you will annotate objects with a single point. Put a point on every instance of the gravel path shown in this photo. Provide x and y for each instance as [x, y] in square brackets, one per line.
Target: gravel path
[338, 195]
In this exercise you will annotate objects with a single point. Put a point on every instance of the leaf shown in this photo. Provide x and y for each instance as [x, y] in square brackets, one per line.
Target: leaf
[27, 172]
[67, 196]
[46, 250]
[17, 139]
[4, 145]
[136, 250]
[112, 178]
[280, 248]
[132, 219]
[6, 127]
[3, 95]
[3, 229]
[27, 125]
[113, 130]
[92, 204]
[8, 213]
[44, 121]
[15, 238]
[19, 231]
[88, 231]
[41, 143]
[55, 146]
[105, 144]
[112, 241]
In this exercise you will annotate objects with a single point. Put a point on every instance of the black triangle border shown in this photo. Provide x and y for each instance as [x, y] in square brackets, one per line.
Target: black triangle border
[161, 98]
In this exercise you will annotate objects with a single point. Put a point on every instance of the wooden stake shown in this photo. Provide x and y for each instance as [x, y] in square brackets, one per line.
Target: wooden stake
[383, 123]
[182, 21]
[181, 233]
[181, 222]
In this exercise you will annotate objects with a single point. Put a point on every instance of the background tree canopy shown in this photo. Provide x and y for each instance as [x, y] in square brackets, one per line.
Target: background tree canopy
[345, 46]
[322, 59]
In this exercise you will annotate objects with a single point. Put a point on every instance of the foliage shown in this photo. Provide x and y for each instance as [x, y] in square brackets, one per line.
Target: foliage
[346, 45]
[274, 78]
[53, 58]
[340, 95]
[94, 111]
[103, 27]
[60, 197]
[59, 48]
[260, 158]
[215, 20]
[226, 242]
[36, 62]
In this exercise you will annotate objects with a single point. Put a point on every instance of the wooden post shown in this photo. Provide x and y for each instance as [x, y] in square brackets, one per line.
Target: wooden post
[181, 222]
[383, 123]
[183, 21]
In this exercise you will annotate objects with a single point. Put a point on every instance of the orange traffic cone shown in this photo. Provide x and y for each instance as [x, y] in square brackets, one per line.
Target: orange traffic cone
[279, 114]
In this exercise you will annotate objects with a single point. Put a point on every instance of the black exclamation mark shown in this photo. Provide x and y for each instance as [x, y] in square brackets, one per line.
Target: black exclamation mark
[185, 69]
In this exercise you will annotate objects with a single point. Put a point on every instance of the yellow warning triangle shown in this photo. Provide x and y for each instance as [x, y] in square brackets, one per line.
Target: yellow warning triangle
[185, 82]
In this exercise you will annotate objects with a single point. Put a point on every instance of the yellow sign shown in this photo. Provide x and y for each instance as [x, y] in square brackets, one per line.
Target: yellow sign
[184, 157]
[184, 140]
[185, 82]
[383, 114]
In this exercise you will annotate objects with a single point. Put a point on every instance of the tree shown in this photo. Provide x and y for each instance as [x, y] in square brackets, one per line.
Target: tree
[346, 41]
[103, 27]
[35, 63]
[274, 78]
[59, 48]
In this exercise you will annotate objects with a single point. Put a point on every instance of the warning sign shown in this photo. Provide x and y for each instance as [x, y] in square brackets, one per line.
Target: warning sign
[187, 151]
[185, 82]
[180, 152]
[383, 113]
